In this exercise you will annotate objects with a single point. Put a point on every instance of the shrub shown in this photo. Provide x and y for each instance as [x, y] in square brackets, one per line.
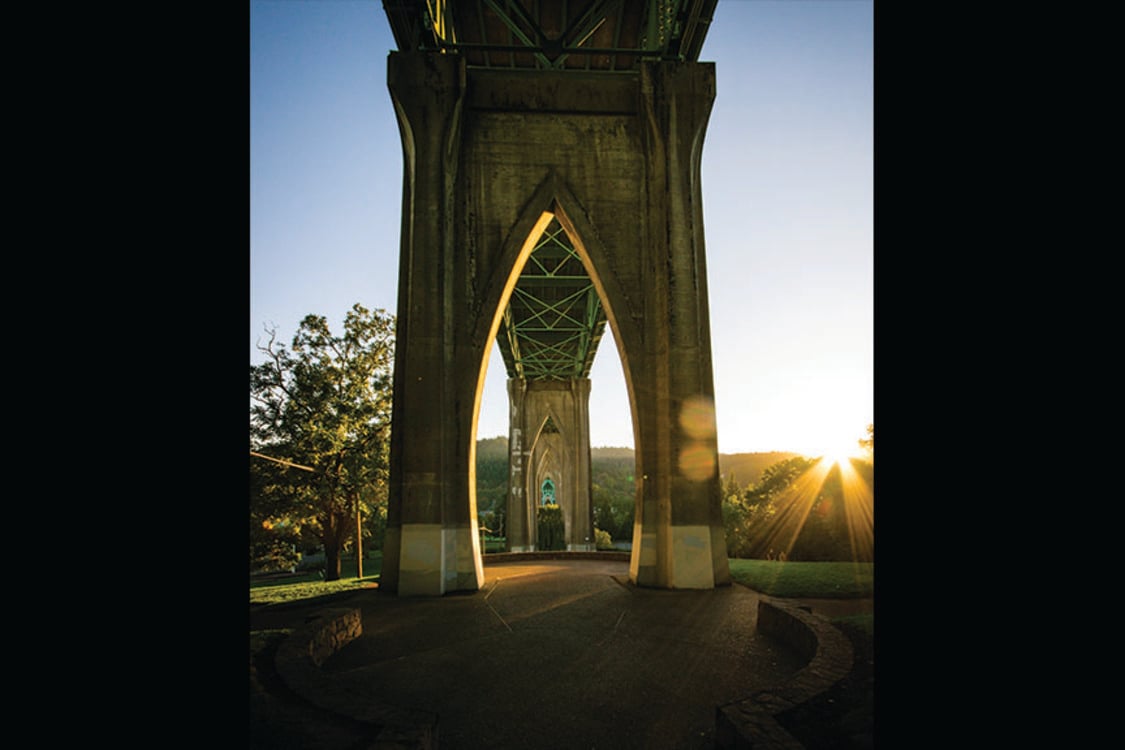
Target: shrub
[272, 548]
[602, 539]
[552, 528]
[276, 560]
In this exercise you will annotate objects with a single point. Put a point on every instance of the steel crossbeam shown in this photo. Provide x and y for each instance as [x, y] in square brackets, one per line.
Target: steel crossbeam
[606, 35]
[554, 318]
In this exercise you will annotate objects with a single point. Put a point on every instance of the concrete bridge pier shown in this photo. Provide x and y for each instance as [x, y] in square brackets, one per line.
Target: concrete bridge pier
[491, 156]
[432, 541]
[549, 437]
[678, 535]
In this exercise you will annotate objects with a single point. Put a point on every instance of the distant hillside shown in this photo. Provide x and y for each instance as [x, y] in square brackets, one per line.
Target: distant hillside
[596, 453]
[496, 447]
[747, 468]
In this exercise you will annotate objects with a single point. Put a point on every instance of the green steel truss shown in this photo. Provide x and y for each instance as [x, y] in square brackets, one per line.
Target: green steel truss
[553, 34]
[554, 320]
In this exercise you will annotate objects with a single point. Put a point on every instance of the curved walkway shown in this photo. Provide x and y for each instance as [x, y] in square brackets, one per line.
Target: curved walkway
[554, 654]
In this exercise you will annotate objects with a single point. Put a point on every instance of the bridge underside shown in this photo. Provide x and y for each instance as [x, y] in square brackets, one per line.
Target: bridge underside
[551, 188]
[575, 35]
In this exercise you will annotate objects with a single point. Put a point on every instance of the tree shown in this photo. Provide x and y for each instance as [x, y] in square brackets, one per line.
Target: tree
[731, 487]
[797, 510]
[748, 519]
[736, 515]
[275, 535]
[325, 404]
[552, 527]
[613, 492]
[868, 443]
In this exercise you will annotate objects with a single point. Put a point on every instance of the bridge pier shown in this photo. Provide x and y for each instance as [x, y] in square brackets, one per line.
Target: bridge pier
[549, 438]
[492, 154]
[432, 543]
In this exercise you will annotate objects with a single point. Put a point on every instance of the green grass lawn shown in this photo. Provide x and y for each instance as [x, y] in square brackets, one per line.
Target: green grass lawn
[311, 584]
[811, 580]
[816, 580]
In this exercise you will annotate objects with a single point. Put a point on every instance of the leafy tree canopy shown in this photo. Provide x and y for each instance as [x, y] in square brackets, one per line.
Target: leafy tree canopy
[324, 403]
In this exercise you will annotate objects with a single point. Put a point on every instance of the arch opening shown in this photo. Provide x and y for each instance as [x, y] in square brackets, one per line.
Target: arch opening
[550, 316]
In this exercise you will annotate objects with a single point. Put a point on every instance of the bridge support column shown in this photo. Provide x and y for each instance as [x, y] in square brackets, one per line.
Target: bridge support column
[550, 436]
[432, 543]
[520, 515]
[678, 536]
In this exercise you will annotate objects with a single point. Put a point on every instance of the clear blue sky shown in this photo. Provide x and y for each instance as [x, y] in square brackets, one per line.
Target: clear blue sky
[787, 199]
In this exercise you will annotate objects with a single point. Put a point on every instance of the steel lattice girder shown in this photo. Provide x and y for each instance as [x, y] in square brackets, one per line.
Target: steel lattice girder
[554, 319]
[554, 34]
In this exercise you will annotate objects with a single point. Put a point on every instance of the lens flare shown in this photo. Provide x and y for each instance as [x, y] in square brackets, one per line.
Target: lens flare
[698, 459]
[697, 418]
[697, 462]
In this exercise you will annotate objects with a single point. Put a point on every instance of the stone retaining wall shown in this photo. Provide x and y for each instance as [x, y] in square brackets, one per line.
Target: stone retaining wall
[750, 723]
[298, 661]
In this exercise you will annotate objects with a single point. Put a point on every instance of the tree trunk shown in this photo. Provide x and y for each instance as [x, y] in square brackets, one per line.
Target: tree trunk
[358, 538]
[332, 548]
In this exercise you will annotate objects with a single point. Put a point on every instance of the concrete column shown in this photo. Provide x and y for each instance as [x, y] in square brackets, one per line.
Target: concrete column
[432, 543]
[678, 537]
[580, 519]
[564, 456]
[520, 522]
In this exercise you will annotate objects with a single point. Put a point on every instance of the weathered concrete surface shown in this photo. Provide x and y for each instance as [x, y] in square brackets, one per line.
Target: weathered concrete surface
[489, 158]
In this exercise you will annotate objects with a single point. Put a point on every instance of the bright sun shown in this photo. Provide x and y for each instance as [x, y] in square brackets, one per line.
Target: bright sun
[829, 423]
[841, 453]
[839, 447]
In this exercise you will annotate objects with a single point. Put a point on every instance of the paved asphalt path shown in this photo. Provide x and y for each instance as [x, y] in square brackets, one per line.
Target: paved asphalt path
[561, 654]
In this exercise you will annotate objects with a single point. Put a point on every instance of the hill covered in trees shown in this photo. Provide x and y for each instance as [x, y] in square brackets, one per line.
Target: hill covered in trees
[611, 471]
[747, 468]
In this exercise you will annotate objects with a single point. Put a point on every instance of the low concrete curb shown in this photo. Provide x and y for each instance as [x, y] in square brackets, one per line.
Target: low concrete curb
[751, 723]
[298, 661]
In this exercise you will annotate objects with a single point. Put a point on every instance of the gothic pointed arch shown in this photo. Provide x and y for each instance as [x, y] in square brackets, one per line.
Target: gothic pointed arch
[554, 200]
[549, 424]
